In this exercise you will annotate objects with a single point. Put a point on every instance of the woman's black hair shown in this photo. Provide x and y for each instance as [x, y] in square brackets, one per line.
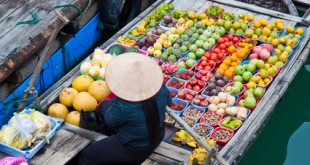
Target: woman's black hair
[151, 113]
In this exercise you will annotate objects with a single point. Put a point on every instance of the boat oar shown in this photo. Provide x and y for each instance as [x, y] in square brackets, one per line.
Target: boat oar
[198, 139]
[59, 22]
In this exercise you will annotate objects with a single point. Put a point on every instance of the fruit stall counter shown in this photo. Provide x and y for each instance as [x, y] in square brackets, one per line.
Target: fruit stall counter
[272, 74]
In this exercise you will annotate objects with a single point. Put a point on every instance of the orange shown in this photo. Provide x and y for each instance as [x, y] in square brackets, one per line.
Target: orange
[226, 62]
[228, 73]
[223, 66]
[234, 64]
[191, 15]
[233, 58]
[220, 70]
[231, 49]
[231, 68]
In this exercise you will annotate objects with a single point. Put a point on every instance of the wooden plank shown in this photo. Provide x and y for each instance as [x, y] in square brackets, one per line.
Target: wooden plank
[263, 11]
[163, 159]
[191, 5]
[150, 162]
[64, 146]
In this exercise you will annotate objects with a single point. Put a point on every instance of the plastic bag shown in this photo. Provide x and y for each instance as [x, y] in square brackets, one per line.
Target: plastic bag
[41, 121]
[18, 133]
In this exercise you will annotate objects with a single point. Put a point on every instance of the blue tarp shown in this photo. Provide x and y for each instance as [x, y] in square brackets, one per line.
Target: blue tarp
[57, 66]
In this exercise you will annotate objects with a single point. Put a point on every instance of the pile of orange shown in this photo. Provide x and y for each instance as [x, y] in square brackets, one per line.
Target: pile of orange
[238, 52]
[227, 66]
[246, 43]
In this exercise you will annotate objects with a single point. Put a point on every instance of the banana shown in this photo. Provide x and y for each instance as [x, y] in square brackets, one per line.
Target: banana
[176, 139]
[192, 144]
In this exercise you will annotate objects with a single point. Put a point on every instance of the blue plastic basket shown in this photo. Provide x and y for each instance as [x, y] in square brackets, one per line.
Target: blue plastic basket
[288, 56]
[192, 107]
[196, 125]
[305, 30]
[178, 101]
[173, 89]
[30, 152]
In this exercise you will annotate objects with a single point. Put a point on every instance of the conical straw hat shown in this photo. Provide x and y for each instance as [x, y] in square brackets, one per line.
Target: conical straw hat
[133, 77]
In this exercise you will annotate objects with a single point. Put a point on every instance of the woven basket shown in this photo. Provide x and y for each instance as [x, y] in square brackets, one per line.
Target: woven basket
[284, 6]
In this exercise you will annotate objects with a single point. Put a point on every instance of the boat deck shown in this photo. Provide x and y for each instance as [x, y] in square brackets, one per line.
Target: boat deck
[71, 139]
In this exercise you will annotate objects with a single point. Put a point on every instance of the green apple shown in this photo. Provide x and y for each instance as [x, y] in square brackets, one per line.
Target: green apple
[191, 55]
[258, 92]
[250, 67]
[238, 78]
[246, 75]
[193, 48]
[239, 70]
[260, 64]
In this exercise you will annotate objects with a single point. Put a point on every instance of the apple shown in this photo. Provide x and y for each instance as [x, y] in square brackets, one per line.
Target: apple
[191, 55]
[200, 52]
[235, 90]
[192, 93]
[238, 84]
[268, 47]
[238, 78]
[211, 28]
[193, 48]
[205, 78]
[260, 64]
[199, 43]
[207, 45]
[196, 88]
[196, 102]
[181, 65]
[250, 67]
[190, 63]
[207, 33]
[202, 38]
[204, 103]
[212, 41]
[198, 76]
[239, 70]
[172, 38]
[221, 30]
[250, 102]
[228, 89]
[246, 75]
[241, 102]
[193, 81]
[256, 49]
[258, 92]
[201, 83]
[253, 56]
[215, 36]
[181, 95]
[253, 61]
[200, 97]
[189, 97]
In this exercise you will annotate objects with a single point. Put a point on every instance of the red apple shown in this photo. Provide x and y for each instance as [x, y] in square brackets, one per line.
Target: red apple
[204, 104]
[196, 88]
[196, 102]
[189, 97]
[205, 78]
[198, 75]
[201, 83]
[192, 93]
[203, 73]
[181, 95]
[193, 81]
[189, 86]
[200, 97]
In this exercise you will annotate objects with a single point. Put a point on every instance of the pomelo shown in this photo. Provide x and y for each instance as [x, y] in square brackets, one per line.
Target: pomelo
[66, 96]
[73, 118]
[58, 110]
[82, 82]
[84, 101]
[99, 90]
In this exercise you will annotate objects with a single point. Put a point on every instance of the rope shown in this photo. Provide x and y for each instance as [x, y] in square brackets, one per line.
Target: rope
[69, 5]
[35, 19]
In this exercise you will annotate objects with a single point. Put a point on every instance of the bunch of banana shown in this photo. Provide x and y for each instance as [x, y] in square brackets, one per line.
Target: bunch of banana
[200, 153]
[185, 138]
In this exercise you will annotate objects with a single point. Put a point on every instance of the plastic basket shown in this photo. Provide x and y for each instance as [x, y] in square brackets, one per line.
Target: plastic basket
[202, 88]
[12, 160]
[266, 85]
[254, 44]
[185, 59]
[198, 63]
[211, 129]
[177, 80]
[198, 106]
[170, 124]
[174, 90]
[214, 124]
[305, 30]
[222, 141]
[233, 118]
[185, 89]
[202, 110]
[242, 97]
[29, 153]
[181, 71]
[178, 101]
[184, 117]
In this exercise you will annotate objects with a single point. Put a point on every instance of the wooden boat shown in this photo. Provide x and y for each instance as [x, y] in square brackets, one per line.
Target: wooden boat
[71, 139]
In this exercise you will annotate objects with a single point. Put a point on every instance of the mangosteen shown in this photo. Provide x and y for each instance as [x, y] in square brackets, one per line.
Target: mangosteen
[150, 40]
[174, 21]
[141, 42]
[144, 48]
[160, 31]
[211, 86]
[207, 93]
[213, 80]
[220, 83]
[149, 34]
[226, 79]
[218, 76]
[213, 92]
[167, 19]
[218, 89]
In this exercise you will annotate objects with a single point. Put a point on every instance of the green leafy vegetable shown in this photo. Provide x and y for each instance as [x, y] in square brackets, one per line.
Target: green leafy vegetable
[214, 10]
[228, 16]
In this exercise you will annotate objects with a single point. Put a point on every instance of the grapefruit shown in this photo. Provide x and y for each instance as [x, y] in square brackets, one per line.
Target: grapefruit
[66, 96]
[99, 90]
[73, 118]
[84, 101]
[58, 110]
[82, 82]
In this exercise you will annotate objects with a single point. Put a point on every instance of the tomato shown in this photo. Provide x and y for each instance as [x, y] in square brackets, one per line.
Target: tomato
[226, 39]
[230, 36]
[223, 51]
[214, 58]
[216, 50]
[222, 46]
[235, 39]
[220, 56]
[207, 55]
[227, 44]
[207, 68]
[199, 67]
[220, 40]
[211, 63]
[203, 63]
[203, 58]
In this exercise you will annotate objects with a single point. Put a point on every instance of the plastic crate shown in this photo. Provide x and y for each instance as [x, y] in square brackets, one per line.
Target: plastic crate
[29, 153]
[211, 129]
[193, 107]
[178, 101]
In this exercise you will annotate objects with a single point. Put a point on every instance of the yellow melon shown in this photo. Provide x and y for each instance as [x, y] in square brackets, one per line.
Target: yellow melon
[66, 96]
[73, 118]
[58, 110]
[99, 90]
[84, 101]
[82, 82]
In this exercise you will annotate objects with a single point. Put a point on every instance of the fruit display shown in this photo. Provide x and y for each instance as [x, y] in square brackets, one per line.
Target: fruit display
[199, 154]
[283, 51]
[297, 32]
[195, 85]
[201, 101]
[242, 18]
[210, 118]
[235, 88]
[166, 78]
[146, 41]
[253, 33]
[214, 11]
[221, 102]
[288, 41]
[257, 91]
[193, 112]
[185, 75]
[126, 40]
[215, 85]
[238, 28]
[204, 75]
[168, 22]
[178, 105]
[268, 35]
[189, 121]
[175, 83]
[185, 138]
[169, 68]
[179, 13]
[186, 63]
[262, 78]
[230, 123]
[202, 129]
[222, 135]
[187, 95]
[204, 64]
